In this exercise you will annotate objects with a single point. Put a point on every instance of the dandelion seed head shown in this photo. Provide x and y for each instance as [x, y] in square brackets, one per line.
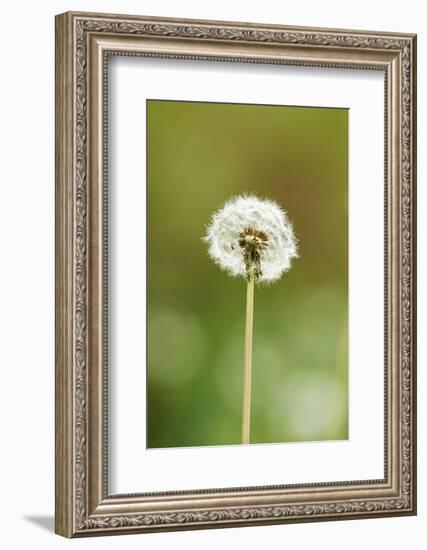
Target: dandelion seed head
[249, 233]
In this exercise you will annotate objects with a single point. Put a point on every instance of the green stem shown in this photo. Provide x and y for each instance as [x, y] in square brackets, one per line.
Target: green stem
[246, 417]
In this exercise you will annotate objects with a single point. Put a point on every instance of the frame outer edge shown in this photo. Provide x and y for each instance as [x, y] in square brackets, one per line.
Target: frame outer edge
[413, 160]
[64, 391]
[233, 24]
[415, 267]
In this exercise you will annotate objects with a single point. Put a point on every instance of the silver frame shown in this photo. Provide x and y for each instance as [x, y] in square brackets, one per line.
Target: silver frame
[83, 43]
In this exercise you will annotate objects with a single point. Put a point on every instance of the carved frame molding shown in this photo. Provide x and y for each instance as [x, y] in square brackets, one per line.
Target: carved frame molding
[83, 43]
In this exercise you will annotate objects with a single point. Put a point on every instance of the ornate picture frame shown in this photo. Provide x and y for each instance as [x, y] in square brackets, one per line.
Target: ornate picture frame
[84, 506]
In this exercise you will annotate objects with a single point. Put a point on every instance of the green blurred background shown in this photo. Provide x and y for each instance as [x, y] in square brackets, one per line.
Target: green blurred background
[199, 156]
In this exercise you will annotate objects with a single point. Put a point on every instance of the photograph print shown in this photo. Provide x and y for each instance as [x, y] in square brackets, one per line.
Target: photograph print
[247, 274]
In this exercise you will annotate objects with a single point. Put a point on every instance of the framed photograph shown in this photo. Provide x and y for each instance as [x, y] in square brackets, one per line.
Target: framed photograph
[235, 274]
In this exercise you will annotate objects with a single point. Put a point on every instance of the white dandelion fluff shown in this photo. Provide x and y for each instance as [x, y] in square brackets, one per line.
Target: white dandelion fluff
[251, 235]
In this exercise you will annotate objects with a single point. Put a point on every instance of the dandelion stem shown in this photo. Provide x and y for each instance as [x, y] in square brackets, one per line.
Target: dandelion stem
[246, 417]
